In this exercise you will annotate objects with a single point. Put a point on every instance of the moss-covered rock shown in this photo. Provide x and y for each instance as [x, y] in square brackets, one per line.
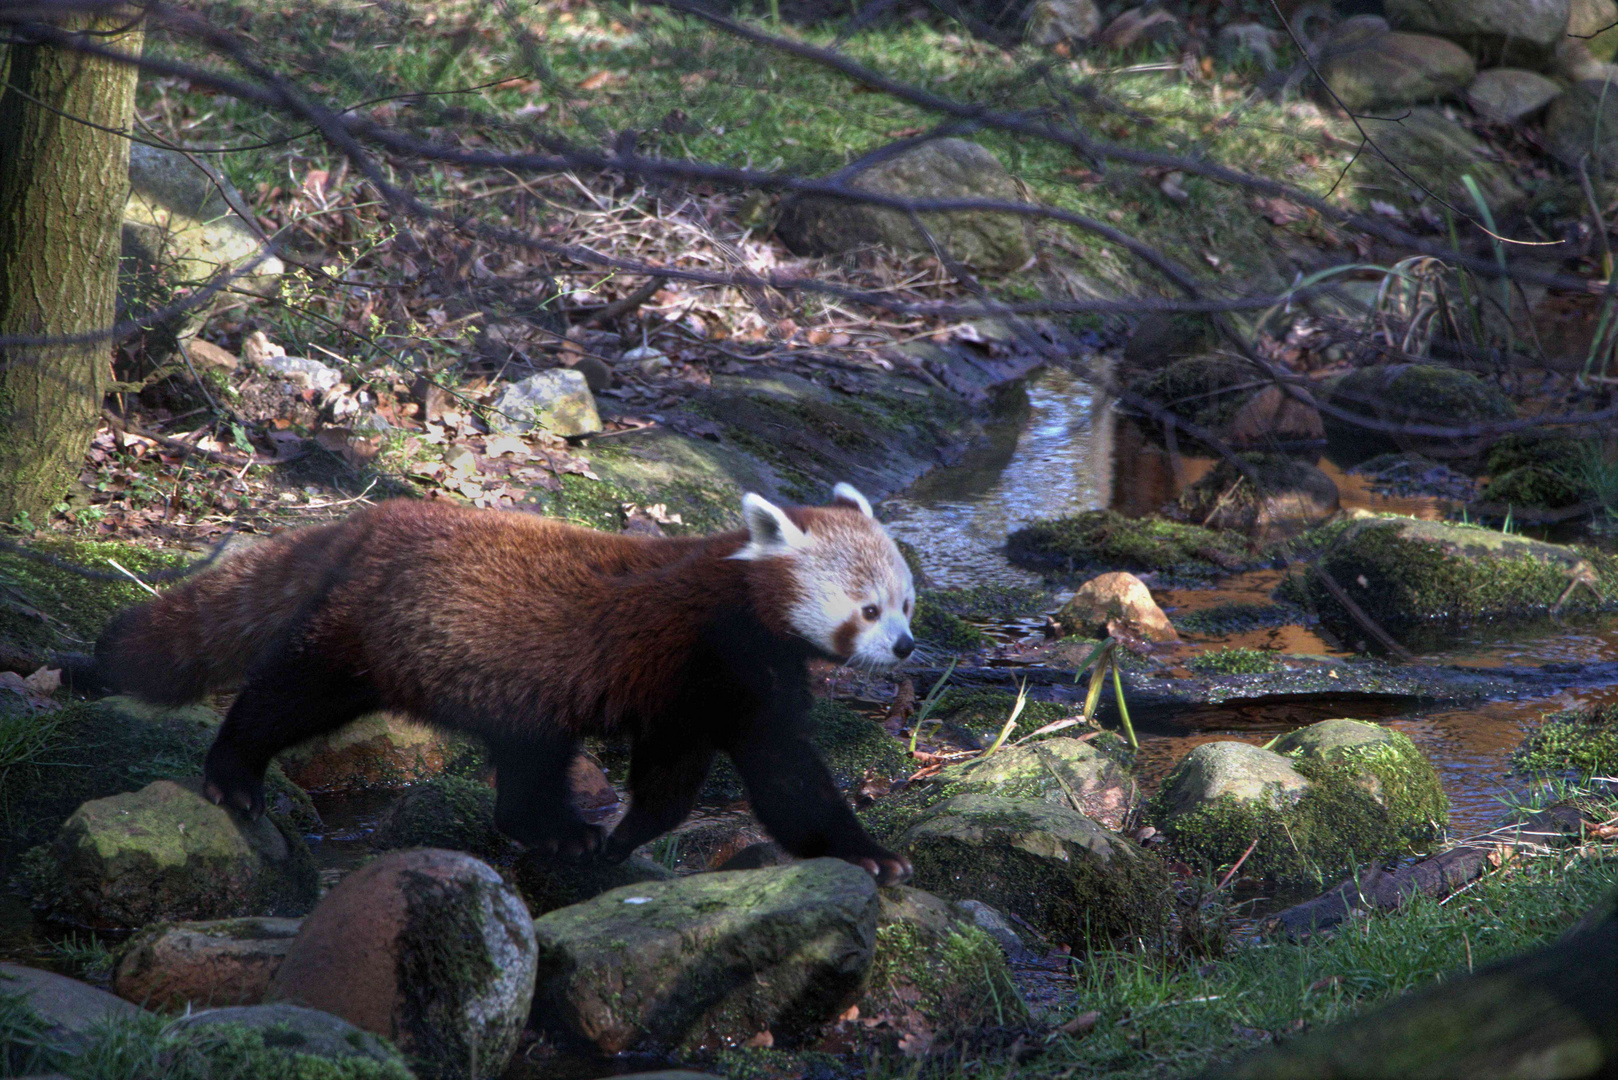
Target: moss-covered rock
[428, 948]
[286, 1042]
[1099, 540]
[1049, 864]
[711, 958]
[167, 853]
[1414, 393]
[118, 744]
[1206, 390]
[446, 812]
[1331, 795]
[932, 626]
[1234, 662]
[987, 602]
[1406, 573]
[1426, 148]
[1579, 741]
[933, 962]
[1058, 770]
[974, 717]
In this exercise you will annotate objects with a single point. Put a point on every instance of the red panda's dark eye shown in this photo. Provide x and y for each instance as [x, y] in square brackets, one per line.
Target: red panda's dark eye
[907, 609]
[871, 612]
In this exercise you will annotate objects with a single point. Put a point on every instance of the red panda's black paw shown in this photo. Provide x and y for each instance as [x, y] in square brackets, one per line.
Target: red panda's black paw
[888, 870]
[582, 843]
[243, 799]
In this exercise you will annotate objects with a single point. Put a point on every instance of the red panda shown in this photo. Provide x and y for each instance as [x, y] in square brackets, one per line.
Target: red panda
[532, 633]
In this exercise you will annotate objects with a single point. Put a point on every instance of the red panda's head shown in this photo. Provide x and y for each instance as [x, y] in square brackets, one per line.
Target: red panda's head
[851, 593]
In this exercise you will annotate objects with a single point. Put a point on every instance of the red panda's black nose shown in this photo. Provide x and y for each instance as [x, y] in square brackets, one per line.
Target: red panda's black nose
[904, 646]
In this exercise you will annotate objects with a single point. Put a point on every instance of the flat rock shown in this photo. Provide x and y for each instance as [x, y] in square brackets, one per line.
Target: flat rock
[1435, 151]
[1582, 125]
[1510, 95]
[203, 964]
[69, 1007]
[1116, 599]
[939, 169]
[1396, 69]
[167, 853]
[376, 751]
[428, 948]
[1058, 770]
[296, 1030]
[548, 884]
[711, 959]
[557, 400]
[1240, 771]
[1048, 864]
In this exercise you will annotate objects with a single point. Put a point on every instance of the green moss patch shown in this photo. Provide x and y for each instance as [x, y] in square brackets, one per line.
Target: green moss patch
[956, 979]
[1406, 573]
[1364, 801]
[1100, 540]
[1582, 741]
[1421, 392]
[1206, 390]
[1226, 619]
[986, 601]
[1536, 485]
[445, 812]
[1234, 662]
[934, 627]
[50, 608]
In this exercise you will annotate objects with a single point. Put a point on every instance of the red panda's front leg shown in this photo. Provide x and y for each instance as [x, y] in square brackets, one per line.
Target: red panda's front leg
[666, 771]
[532, 803]
[795, 798]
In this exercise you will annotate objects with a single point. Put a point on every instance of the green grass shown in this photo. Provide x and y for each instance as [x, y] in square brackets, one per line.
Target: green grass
[1581, 741]
[1169, 1016]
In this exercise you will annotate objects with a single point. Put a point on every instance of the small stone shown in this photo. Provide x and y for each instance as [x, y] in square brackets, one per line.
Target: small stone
[1496, 31]
[376, 751]
[1247, 41]
[1274, 497]
[203, 964]
[938, 169]
[295, 1030]
[1396, 69]
[557, 400]
[166, 852]
[1058, 770]
[445, 812]
[205, 355]
[1510, 95]
[429, 948]
[1240, 771]
[1274, 416]
[1120, 599]
[994, 923]
[757, 857]
[597, 373]
[1053, 21]
[303, 372]
[710, 959]
[69, 1008]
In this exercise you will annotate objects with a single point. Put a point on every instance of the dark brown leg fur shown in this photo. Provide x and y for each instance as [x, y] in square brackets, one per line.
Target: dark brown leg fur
[531, 803]
[666, 770]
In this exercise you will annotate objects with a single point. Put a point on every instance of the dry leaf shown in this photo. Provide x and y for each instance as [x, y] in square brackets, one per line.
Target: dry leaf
[599, 79]
[763, 1040]
[1081, 1025]
[46, 681]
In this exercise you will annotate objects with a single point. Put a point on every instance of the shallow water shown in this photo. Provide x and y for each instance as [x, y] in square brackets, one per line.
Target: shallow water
[1060, 451]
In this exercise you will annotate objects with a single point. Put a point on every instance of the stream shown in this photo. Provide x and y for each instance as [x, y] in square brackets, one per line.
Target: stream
[1052, 448]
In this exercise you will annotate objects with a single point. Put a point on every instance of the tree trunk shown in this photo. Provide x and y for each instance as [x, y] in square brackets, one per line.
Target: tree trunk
[1551, 1013]
[63, 185]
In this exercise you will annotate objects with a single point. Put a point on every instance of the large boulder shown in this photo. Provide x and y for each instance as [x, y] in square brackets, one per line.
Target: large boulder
[447, 812]
[203, 964]
[938, 169]
[1272, 498]
[712, 959]
[295, 1035]
[165, 852]
[376, 751]
[1581, 126]
[1511, 95]
[429, 948]
[1045, 863]
[1117, 603]
[1414, 394]
[1328, 796]
[557, 400]
[70, 1010]
[1391, 70]
[1407, 574]
[1497, 31]
[1594, 24]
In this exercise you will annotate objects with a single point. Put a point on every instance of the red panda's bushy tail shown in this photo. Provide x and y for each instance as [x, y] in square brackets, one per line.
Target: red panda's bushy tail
[206, 633]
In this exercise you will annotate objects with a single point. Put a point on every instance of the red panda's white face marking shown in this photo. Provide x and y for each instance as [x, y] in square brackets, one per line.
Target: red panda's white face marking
[855, 594]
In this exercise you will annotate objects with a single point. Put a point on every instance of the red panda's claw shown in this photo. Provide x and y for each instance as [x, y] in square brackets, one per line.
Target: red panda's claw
[213, 792]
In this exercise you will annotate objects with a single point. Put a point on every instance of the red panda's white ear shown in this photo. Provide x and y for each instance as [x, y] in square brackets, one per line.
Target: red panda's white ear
[769, 531]
[846, 495]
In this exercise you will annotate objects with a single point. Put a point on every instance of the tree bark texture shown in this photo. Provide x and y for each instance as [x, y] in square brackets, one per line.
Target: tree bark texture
[1550, 1014]
[63, 186]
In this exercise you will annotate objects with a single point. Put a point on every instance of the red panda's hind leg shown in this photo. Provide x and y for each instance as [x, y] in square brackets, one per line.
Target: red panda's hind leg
[666, 771]
[291, 698]
[531, 798]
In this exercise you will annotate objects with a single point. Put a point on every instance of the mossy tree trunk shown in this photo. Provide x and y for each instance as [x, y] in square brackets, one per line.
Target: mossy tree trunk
[1551, 1013]
[63, 185]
